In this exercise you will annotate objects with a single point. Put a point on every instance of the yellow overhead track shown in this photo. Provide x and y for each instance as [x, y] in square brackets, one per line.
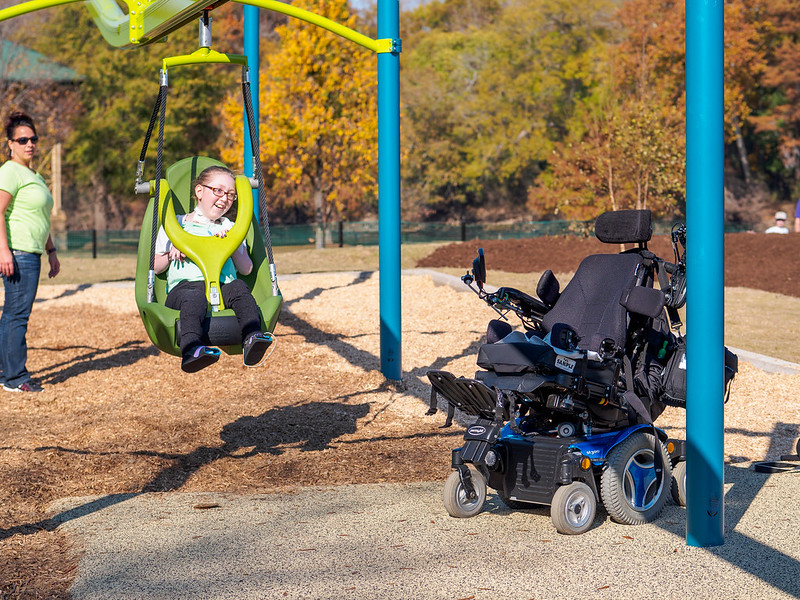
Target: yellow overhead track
[148, 21]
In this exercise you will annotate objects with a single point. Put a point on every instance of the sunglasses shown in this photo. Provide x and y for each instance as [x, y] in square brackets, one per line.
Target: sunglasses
[219, 192]
[24, 140]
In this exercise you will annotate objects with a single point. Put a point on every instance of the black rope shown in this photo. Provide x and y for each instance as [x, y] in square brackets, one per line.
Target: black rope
[150, 127]
[159, 156]
[262, 196]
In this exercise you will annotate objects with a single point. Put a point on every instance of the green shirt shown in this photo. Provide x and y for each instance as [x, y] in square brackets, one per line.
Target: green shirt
[28, 213]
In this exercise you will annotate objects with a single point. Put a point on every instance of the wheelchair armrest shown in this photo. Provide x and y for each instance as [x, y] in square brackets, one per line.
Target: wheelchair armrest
[532, 307]
[548, 288]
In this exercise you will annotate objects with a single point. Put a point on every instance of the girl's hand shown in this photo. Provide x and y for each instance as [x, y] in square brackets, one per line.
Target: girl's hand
[221, 234]
[55, 265]
[175, 254]
[6, 262]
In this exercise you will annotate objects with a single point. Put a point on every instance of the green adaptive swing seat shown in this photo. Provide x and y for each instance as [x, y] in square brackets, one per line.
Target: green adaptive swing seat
[221, 328]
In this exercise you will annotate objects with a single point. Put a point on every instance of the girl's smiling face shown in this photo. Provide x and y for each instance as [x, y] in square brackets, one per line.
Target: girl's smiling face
[216, 195]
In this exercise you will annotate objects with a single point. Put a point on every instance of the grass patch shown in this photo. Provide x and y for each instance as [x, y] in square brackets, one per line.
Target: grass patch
[763, 322]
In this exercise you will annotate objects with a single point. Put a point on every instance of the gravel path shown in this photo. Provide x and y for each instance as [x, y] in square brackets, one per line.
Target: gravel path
[375, 541]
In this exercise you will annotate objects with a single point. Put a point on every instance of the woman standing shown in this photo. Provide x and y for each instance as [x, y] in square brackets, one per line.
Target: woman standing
[25, 202]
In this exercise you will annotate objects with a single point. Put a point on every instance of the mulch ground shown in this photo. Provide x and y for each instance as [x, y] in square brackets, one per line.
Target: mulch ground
[117, 416]
[752, 260]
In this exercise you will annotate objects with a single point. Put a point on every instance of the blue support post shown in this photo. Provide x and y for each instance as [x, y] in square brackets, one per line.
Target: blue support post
[705, 214]
[251, 49]
[389, 190]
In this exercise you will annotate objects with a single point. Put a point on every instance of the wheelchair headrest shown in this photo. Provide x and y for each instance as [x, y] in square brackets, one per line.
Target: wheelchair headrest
[180, 176]
[624, 227]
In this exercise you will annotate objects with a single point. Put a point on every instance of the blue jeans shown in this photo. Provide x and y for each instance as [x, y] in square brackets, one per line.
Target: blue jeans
[20, 291]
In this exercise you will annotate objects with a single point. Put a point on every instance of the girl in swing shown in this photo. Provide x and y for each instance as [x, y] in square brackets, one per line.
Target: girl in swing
[215, 192]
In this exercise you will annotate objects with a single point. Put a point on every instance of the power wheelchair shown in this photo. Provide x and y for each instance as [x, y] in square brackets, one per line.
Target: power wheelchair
[564, 409]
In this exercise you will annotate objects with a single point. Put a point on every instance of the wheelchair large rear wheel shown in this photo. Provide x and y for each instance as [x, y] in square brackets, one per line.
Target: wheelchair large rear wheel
[573, 508]
[632, 492]
[679, 483]
[457, 501]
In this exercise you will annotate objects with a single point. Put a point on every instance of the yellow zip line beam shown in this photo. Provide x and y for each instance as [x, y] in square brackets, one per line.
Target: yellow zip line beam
[367, 42]
[148, 21]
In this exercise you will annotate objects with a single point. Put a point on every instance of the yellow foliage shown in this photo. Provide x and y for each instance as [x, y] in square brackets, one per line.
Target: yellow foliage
[318, 112]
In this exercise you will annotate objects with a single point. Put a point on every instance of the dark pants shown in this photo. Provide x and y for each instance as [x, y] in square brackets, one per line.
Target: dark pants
[20, 291]
[189, 297]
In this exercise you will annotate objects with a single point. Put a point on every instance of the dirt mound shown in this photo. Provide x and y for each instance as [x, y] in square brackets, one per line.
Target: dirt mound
[752, 260]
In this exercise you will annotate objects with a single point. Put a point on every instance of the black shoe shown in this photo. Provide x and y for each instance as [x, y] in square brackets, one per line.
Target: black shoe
[255, 348]
[199, 358]
[27, 386]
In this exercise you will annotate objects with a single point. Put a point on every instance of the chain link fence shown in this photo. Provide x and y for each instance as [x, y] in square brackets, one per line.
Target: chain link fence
[358, 233]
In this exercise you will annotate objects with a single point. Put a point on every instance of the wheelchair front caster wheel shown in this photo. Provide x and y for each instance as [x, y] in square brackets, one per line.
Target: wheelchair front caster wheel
[457, 501]
[573, 508]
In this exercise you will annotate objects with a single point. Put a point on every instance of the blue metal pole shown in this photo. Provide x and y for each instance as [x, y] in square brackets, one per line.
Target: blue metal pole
[389, 190]
[251, 48]
[705, 273]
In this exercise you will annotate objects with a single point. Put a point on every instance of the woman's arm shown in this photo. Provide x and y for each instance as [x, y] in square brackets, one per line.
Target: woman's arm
[6, 258]
[55, 264]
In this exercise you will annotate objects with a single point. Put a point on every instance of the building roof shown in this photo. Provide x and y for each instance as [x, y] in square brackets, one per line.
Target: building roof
[18, 63]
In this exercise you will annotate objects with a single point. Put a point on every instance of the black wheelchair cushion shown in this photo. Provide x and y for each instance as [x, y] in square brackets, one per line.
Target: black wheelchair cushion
[590, 304]
[624, 227]
[515, 357]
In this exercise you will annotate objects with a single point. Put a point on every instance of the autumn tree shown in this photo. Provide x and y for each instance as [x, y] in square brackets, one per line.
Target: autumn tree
[625, 146]
[318, 130]
[116, 95]
[779, 111]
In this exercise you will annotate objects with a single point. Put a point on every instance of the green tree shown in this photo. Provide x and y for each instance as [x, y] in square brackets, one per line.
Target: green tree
[318, 130]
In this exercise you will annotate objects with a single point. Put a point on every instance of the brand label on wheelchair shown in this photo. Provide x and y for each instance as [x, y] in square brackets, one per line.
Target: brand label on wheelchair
[567, 364]
[477, 430]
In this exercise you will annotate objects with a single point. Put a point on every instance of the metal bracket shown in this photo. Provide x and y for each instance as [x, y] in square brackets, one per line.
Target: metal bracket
[213, 297]
[136, 19]
[205, 30]
[392, 45]
[466, 481]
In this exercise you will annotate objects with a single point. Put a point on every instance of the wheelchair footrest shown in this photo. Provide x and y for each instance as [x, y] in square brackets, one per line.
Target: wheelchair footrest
[468, 395]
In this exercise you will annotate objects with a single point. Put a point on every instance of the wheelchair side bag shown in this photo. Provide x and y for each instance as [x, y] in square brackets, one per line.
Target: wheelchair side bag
[674, 375]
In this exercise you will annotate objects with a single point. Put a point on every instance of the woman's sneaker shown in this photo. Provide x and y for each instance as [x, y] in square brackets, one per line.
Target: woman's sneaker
[199, 358]
[28, 386]
[254, 349]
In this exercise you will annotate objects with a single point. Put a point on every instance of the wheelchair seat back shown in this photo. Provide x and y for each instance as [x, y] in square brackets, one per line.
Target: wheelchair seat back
[590, 303]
